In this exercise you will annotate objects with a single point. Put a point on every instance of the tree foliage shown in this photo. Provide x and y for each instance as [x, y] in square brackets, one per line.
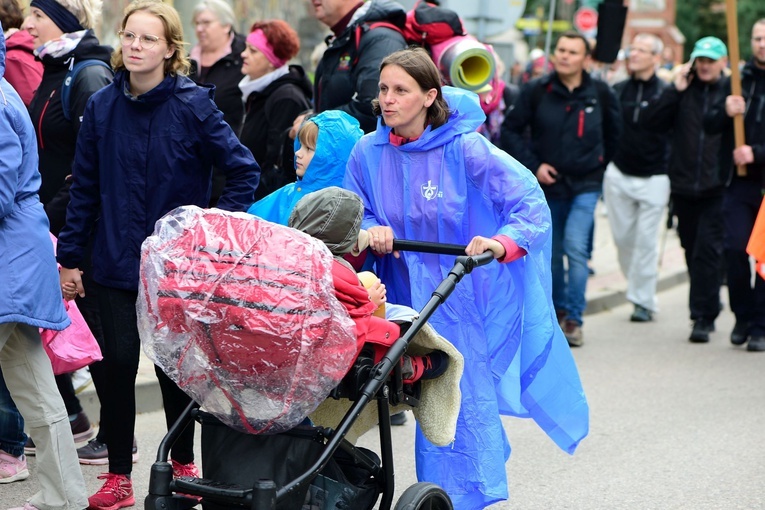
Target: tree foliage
[701, 18]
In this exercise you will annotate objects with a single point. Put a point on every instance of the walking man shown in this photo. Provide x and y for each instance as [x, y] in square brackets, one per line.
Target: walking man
[636, 186]
[575, 125]
[743, 195]
[348, 72]
[696, 179]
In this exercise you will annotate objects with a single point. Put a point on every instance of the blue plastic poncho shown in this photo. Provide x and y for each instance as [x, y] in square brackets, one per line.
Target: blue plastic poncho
[448, 186]
[338, 133]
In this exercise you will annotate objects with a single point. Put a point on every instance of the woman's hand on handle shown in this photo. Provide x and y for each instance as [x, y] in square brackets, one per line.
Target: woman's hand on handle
[481, 244]
[381, 240]
[71, 283]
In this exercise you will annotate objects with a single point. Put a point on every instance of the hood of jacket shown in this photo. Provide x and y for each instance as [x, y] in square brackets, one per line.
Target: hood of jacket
[380, 10]
[332, 215]
[89, 48]
[338, 133]
[172, 85]
[296, 76]
[465, 116]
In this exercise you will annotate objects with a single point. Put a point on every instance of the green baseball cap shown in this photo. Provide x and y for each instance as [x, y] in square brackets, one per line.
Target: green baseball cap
[710, 47]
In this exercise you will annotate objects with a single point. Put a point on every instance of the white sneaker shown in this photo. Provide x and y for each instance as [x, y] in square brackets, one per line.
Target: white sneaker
[81, 379]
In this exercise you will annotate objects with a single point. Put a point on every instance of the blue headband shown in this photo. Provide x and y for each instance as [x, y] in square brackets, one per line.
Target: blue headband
[63, 19]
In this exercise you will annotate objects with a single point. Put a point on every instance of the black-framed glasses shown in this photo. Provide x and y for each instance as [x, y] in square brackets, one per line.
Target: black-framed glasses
[147, 41]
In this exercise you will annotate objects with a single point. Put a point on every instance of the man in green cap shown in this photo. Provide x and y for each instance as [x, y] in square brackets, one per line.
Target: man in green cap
[696, 179]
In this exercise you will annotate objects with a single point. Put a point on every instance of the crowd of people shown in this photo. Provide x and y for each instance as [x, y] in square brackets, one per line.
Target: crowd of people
[103, 142]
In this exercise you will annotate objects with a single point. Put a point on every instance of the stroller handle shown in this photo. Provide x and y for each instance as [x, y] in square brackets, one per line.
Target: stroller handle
[468, 262]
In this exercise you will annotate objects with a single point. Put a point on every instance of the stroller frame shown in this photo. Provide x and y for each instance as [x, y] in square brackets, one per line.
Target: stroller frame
[165, 492]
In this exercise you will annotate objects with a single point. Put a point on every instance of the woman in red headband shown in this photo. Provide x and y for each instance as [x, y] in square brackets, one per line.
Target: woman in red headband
[274, 94]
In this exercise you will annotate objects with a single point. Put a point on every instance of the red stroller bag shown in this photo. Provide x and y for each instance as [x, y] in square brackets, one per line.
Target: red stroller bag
[242, 314]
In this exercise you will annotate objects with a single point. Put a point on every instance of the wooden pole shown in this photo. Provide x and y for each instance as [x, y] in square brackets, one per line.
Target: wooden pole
[731, 17]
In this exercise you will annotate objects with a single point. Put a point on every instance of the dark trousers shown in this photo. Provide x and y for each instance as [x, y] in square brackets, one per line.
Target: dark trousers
[700, 227]
[740, 206]
[121, 351]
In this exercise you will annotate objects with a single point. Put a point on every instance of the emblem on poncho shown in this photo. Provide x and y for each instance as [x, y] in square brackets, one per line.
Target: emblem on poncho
[430, 191]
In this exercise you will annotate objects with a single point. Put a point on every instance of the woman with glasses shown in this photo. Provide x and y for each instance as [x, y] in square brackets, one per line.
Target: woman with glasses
[147, 145]
[216, 59]
[63, 38]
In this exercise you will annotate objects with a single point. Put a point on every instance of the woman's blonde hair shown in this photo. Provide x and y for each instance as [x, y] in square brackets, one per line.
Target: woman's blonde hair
[87, 12]
[178, 63]
[308, 134]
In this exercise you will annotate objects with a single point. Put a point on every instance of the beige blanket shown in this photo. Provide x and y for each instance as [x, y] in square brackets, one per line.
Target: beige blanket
[439, 402]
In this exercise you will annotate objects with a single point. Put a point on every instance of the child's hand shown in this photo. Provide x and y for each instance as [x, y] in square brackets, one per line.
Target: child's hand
[377, 293]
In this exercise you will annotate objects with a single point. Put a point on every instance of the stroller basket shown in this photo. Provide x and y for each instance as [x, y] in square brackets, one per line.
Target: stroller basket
[329, 466]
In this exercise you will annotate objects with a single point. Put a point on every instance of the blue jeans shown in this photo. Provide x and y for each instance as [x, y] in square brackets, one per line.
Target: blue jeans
[12, 437]
[572, 221]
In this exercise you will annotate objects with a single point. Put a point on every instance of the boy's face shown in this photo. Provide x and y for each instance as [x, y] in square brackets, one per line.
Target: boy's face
[303, 158]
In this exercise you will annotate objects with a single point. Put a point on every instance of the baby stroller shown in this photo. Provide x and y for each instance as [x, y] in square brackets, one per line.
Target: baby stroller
[307, 467]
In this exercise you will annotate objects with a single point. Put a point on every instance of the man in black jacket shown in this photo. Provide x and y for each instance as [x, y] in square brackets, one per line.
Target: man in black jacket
[575, 125]
[636, 186]
[743, 196]
[696, 178]
[348, 72]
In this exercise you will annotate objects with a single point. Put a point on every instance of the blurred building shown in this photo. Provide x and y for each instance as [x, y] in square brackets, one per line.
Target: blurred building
[655, 17]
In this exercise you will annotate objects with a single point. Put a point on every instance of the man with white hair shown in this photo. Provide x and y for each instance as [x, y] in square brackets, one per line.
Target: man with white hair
[636, 185]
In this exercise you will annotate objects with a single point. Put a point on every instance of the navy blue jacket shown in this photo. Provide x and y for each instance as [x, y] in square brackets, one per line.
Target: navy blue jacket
[139, 158]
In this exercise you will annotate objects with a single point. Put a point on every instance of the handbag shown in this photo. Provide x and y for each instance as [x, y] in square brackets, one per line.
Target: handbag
[72, 348]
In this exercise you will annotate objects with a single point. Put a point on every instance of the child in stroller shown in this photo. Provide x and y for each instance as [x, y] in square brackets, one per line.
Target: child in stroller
[333, 215]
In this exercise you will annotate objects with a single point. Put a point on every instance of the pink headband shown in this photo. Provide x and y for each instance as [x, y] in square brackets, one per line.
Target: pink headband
[257, 39]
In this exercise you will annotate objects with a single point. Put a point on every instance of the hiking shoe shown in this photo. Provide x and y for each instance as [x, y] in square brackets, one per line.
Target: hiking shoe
[12, 469]
[81, 431]
[117, 492]
[96, 453]
[700, 331]
[180, 470]
[81, 428]
[414, 368]
[756, 343]
[641, 314]
[573, 332]
[740, 333]
[561, 315]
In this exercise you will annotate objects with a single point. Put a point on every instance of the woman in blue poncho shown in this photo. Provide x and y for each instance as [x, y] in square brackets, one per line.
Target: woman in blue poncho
[325, 141]
[426, 174]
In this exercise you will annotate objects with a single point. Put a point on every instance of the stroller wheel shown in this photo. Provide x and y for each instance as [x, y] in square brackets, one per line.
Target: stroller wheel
[424, 496]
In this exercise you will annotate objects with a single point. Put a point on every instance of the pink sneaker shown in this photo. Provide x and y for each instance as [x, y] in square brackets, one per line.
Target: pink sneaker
[180, 470]
[12, 469]
[117, 492]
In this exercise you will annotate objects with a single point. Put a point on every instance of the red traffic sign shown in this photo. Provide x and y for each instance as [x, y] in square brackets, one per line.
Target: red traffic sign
[586, 19]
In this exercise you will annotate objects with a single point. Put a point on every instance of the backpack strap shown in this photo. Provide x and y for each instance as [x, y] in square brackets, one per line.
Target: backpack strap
[69, 79]
[363, 28]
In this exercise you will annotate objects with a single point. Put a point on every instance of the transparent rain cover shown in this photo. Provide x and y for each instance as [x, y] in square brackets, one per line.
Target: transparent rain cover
[241, 313]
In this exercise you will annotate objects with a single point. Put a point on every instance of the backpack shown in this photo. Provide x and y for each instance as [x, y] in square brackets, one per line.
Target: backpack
[426, 25]
[69, 79]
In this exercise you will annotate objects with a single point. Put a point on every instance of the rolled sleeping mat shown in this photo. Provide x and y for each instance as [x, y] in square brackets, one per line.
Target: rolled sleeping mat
[464, 62]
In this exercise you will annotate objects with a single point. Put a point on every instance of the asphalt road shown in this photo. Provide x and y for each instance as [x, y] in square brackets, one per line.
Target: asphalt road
[673, 425]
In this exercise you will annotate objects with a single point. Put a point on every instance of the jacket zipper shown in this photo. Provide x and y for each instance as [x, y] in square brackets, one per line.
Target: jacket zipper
[702, 139]
[580, 127]
[39, 122]
[638, 100]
